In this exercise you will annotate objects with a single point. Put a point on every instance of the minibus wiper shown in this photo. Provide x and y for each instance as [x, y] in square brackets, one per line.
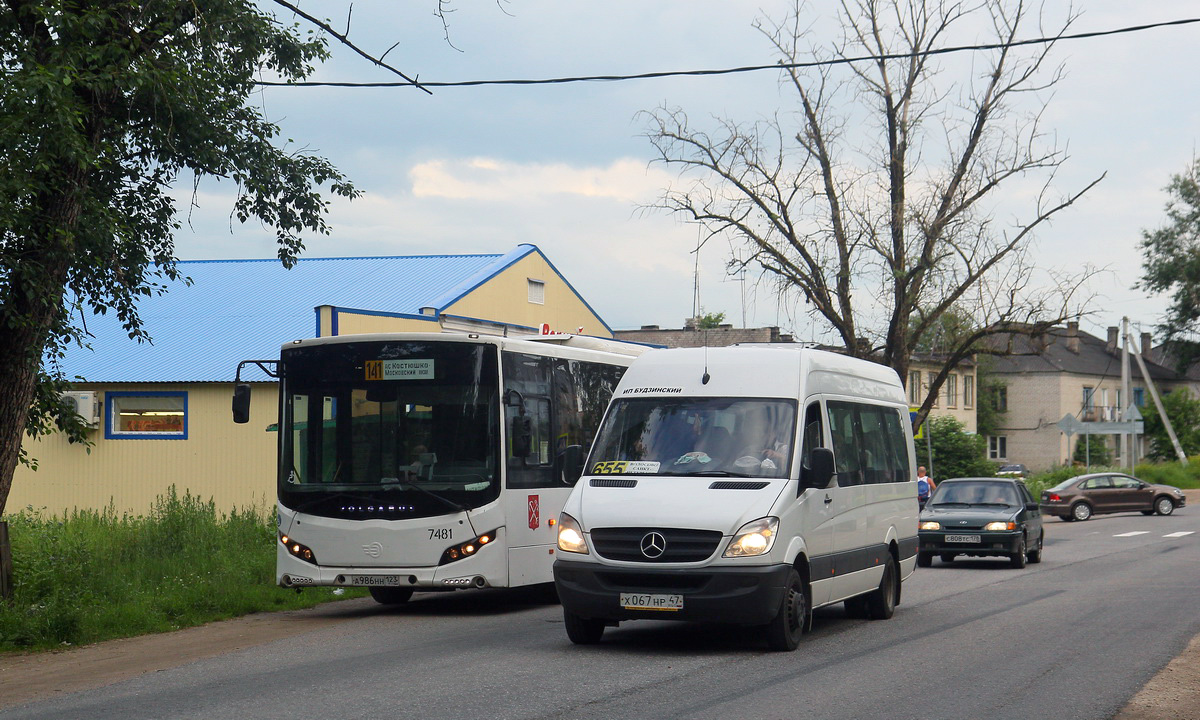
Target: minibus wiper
[720, 473]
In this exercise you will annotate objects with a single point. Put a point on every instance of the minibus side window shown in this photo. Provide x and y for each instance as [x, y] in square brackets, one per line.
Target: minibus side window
[895, 435]
[813, 438]
[846, 447]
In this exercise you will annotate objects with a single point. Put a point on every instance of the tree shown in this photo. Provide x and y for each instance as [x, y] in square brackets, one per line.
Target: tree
[1171, 264]
[876, 201]
[103, 107]
[956, 453]
[710, 321]
[1093, 451]
[1184, 413]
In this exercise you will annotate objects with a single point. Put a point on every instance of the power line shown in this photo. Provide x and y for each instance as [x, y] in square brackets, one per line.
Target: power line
[744, 69]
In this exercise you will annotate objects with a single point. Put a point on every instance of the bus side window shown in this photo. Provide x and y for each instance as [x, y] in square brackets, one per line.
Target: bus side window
[528, 379]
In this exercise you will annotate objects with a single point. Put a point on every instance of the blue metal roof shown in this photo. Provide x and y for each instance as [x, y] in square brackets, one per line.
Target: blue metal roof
[245, 309]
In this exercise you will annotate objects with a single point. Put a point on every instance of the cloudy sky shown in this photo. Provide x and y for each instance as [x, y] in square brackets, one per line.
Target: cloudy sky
[567, 167]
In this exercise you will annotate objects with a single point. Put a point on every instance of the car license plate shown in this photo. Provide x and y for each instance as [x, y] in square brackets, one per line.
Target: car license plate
[641, 601]
[373, 580]
[962, 538]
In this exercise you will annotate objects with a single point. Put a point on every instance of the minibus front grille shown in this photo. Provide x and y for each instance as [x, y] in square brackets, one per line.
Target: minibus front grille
[613, 482]
[737, 485]
[676, 545]
[651, 582]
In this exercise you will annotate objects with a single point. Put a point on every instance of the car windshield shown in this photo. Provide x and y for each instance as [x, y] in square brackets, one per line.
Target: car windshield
[738, 437]
[975, 492]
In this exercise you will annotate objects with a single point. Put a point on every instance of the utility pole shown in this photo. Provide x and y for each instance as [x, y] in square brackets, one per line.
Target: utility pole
[1126, 394]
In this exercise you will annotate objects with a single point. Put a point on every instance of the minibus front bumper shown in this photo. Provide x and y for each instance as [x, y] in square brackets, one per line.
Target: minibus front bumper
[738, 595]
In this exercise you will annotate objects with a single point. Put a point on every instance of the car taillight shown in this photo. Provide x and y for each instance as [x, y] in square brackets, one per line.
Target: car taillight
[1054, 497]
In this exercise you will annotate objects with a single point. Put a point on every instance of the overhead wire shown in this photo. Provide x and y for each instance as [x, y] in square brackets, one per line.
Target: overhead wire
[744, 69]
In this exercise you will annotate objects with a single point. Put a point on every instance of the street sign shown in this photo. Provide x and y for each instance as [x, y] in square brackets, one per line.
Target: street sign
[1073, 426]
[1069, 424]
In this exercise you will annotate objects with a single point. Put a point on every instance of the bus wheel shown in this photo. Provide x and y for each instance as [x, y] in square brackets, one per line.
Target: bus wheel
[794, 617]
[581, 630]
[391, 595]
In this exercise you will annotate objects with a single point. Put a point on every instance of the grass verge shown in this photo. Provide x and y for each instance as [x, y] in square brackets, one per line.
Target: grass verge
[93, 575]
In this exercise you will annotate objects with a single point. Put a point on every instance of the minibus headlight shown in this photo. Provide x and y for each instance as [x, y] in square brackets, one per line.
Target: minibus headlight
[754, 538]
[930, 525]
[570, 535]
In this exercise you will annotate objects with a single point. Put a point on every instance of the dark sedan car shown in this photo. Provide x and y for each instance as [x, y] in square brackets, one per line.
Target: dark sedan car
[995, 517]
[1086, 495]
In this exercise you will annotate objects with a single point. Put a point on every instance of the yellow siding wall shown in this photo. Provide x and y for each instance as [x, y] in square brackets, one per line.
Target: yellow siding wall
[351, 323]
[232, 464]
[505, 298]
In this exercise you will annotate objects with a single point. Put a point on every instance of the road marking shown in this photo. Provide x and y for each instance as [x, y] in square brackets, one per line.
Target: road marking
[1135, 532]
[1182, 533]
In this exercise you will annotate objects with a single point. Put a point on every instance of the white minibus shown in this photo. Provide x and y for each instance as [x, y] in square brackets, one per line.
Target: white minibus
[746, 484]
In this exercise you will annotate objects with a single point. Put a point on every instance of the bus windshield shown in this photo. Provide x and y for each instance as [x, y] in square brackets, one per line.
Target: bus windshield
[738, 437]
[389, 429]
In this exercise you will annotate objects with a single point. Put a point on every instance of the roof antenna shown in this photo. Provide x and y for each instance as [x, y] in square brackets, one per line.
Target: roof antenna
[705, 377]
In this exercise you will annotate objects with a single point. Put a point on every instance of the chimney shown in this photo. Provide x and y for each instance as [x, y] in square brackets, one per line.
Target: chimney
[1146, 345]
[1113, 332]
[1073, 336]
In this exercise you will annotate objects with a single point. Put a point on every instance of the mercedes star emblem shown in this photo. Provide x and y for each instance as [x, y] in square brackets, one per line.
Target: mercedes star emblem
[653, 545]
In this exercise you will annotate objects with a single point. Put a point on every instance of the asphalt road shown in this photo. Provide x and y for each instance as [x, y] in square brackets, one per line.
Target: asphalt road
[1073, 637]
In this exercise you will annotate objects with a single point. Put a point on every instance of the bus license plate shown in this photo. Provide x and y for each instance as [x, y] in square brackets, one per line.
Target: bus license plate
[641, 601]
[374, 580]
[962, 538]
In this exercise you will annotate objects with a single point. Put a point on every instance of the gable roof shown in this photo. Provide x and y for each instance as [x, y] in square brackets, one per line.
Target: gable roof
[236, 310]
[1052, 353]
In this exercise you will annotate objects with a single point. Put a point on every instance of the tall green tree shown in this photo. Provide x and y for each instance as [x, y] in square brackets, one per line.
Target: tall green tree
[1171, 264]
[1183, 410]
[956, 453]
[104, 106]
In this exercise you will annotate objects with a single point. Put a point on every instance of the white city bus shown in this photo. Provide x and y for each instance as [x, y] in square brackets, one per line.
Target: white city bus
[423, 461]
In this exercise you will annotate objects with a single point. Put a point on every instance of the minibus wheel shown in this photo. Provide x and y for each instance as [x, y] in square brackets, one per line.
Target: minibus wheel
[881, 603]
[794, 617]
[581, 630]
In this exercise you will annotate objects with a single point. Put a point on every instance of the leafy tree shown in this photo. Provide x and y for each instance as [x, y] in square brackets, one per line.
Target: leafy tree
[1171, 264]
[873, 199]
[989, 411]
[956, 453]
[1093, 451]
[710, 321]
[103, 107]
[1184, 412]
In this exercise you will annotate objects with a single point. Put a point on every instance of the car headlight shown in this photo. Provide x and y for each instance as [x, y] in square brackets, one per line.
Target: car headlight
[1000, 526]
[570, 536]
[929, 525]
[754, 538]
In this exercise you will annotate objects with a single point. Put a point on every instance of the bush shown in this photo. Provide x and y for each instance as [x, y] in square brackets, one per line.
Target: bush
[94, 576]
[956, 453]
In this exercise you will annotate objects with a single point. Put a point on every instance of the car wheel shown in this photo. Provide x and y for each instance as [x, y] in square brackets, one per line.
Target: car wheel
[1035, 555]
[1081, 511]
[1164, 506]
[391, 595]
[794, 617]
[881, 603]
[1018, 557]
[947, 557]
[581, 630]
[924, 559]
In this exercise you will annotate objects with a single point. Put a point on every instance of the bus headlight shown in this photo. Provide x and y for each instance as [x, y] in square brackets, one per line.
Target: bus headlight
[468, 548]
[754, 538]
[297, 550]
[570, 535]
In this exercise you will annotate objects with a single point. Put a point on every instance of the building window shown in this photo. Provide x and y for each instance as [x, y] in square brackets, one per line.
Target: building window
[968, 391]
[1139, 396]
[932, 376]
[914, 388]
[145, 415]
[951, 390]
[997, 447]
[1002, 398]
[537, 292]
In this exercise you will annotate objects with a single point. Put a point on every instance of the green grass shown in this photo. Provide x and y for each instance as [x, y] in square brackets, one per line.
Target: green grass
[94, 575]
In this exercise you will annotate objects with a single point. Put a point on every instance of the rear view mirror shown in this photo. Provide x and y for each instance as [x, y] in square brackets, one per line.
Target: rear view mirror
[821, 473]
[522, 436]
[241, 403]
[570, 464]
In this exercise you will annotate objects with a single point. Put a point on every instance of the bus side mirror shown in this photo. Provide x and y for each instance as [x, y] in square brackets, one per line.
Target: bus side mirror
[241, 403]
[570, 464]
[821, 473]
[522, 436]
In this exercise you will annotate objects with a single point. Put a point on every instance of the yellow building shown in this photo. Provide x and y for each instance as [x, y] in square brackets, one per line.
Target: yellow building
[161, 412]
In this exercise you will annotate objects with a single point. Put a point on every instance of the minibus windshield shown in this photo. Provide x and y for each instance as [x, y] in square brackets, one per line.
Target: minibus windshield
[709, 437]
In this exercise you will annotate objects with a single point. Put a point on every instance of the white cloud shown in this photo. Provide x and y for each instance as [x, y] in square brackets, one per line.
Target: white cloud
[495, 180]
